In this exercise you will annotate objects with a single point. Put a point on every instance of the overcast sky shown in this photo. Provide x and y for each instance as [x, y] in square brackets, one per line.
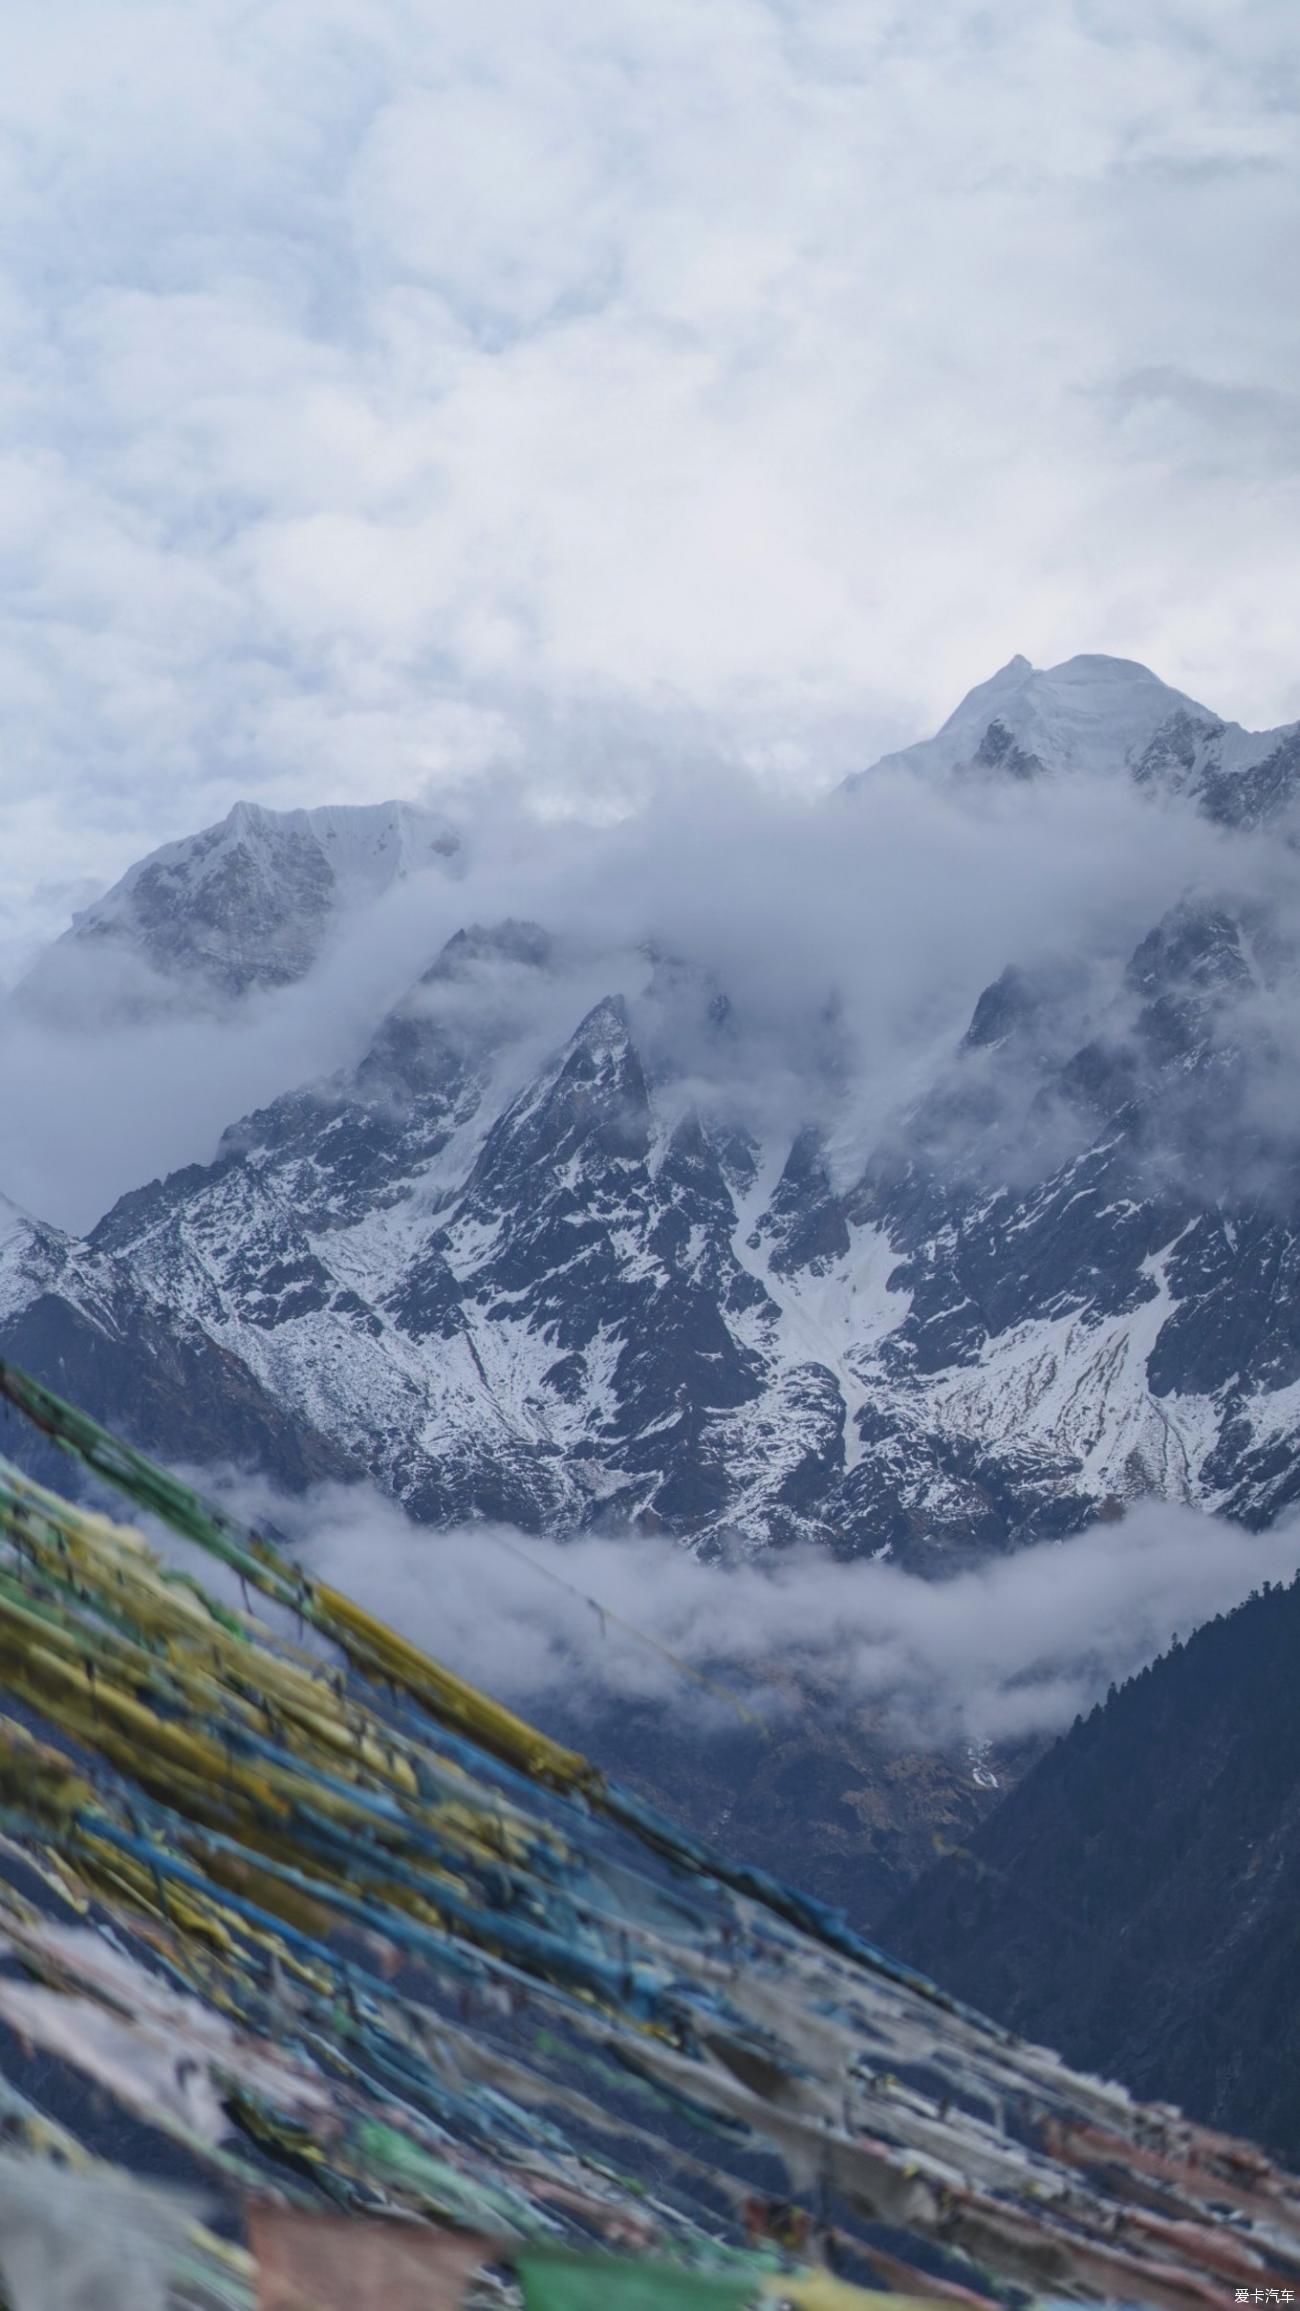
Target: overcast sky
[392, 388]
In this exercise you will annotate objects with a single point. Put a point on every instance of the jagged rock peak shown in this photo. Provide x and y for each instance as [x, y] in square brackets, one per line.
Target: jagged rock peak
[604, 1035]
[508, 942]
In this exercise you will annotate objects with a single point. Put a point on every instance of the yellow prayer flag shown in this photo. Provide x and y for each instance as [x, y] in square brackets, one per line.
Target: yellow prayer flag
[822, 2291]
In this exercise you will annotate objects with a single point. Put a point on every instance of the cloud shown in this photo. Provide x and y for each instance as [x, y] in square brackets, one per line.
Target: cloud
[1015, 1647]
[381, 383]
[852, 937]
[1252, 430]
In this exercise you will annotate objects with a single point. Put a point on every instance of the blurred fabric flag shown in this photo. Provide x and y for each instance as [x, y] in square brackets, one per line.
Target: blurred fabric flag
[822, 2291]
[342, 2263]
[556, 2281]
[73, 2237]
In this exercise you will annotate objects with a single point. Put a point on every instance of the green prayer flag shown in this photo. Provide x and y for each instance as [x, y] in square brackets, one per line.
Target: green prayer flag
[554, 2280]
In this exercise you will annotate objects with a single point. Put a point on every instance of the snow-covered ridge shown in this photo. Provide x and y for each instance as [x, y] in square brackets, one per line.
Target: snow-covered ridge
[1091, 714]
[242, 905]
[366, 846]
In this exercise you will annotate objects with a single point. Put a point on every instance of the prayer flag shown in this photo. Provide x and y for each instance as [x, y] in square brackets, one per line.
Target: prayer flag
[822, 2291]
[557, 2281]
[341, 2263]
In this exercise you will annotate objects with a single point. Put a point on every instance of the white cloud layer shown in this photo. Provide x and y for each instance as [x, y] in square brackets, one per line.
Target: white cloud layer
[1015, 1647]
[384, 384]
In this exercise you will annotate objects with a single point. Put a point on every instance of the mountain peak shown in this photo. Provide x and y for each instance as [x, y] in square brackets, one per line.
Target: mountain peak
[246, 903]
[1090, 713]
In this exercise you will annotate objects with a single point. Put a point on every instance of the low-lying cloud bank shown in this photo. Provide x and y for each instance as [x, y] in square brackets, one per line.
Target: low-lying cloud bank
[1015, 1647]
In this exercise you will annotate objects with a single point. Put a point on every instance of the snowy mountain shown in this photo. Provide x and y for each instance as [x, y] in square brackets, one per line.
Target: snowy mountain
[1106, 716]
[526, 1260]
[81, 1319]
[243, 905]
[1091, 713]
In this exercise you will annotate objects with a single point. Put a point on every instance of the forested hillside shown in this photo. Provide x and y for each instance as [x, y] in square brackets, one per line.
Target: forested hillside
[1136, 1900]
